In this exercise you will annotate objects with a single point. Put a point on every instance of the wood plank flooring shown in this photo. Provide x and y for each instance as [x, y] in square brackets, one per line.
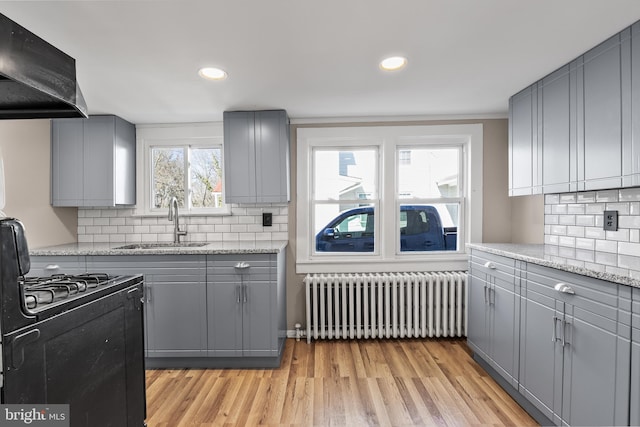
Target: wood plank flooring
[339, 383]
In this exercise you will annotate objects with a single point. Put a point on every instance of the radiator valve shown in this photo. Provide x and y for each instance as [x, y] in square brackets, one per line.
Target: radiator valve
[298, 331]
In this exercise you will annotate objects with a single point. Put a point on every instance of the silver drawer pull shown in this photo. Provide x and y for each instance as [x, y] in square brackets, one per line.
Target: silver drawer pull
[242, 265]
[564, 288]
[490, 265]
[52, 267]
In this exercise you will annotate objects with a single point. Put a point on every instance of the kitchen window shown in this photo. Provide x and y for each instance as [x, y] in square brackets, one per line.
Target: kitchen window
[182, 162]
[387, 198]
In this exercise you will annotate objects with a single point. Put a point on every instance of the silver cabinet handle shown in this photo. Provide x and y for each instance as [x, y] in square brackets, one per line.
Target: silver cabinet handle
[554, 335]
[148, 292]
[564, 332]
[485, 295]
[244, 288]
[238, 290]
[242, 265]
[564, 288]
[52, 267]
[490, 265]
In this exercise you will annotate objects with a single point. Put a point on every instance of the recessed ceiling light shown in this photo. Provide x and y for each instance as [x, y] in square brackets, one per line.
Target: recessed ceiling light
[393, 63]
[212, 73]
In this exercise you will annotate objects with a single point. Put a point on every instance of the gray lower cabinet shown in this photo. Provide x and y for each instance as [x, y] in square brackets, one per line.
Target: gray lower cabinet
[200, 310]
[494, 312]
[175, 300]
[634, 415]
[575, 348]
[48, 265]
[243, 297]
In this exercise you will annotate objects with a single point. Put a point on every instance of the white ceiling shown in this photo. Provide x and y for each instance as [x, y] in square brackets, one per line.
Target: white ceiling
[316, 59]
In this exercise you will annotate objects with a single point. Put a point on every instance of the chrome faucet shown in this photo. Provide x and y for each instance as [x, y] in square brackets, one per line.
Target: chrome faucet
[173, 216]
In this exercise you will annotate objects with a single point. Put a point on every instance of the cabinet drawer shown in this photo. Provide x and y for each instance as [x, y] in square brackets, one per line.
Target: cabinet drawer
[594, 295]
[483, 263]
[63, 264]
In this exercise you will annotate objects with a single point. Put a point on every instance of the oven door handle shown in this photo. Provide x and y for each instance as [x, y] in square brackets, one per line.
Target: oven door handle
[18, 345]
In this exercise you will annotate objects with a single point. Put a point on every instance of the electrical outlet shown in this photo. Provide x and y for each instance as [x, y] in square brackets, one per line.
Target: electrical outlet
[610, 220]
[267, 219]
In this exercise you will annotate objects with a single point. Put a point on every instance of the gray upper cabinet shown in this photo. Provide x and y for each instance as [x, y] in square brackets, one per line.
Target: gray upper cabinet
[575, 348]
[584, 121]
[524, 167]
[256, 156]
[631, 157]
[603, 110]
[556, 96]
[93, 162]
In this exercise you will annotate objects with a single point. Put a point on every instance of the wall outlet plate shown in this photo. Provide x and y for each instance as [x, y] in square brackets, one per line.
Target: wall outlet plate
[610, 220]
[267, 219]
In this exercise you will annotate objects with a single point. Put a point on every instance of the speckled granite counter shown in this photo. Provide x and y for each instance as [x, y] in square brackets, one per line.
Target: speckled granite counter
[606, 266]
[261, 247]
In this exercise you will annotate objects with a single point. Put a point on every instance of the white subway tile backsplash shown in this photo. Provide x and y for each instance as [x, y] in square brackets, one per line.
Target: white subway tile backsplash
[567, 219]
[574, 222]
[625, 248]
[121, 225]
[586, 197]
[552, 199]
[630, 194]
[559, 209]
[622, 208]
[607, 196]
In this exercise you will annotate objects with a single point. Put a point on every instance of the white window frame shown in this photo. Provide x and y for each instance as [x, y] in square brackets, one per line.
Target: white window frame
[389, 139]
[195, 135]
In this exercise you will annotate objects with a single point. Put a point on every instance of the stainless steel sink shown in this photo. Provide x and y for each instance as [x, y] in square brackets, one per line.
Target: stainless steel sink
[162, 245]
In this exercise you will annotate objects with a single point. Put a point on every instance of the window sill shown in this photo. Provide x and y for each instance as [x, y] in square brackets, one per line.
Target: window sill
[444, 262]
[182, 214]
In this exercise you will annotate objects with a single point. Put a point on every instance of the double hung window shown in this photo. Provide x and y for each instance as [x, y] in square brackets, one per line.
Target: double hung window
[391, 197]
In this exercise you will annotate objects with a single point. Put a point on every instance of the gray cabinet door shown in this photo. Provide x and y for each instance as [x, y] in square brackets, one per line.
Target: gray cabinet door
[256, 156]
[505, 322]
[478, 333]
[631, 157]
[225, 303]
[559, 156]
[525, 163]
[634, 397]
[244, 309]
[601, 105]
[596, 371]
[540, 359]
[175, 296]
[98, 163]
[67, 154]
[239, 157]
[494, 312]
[272, 156]
[259, 327]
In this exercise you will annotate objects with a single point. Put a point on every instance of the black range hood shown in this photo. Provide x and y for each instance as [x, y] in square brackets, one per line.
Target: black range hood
[37, 80]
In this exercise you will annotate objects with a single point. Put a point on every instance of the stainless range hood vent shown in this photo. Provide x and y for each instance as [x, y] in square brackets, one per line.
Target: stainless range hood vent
[37, 80]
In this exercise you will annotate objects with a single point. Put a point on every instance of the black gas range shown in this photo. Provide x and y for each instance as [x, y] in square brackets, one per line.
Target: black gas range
[70, 339]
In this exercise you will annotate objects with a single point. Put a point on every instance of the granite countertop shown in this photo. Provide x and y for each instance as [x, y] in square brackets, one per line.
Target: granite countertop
[605, 266]
[148, 248]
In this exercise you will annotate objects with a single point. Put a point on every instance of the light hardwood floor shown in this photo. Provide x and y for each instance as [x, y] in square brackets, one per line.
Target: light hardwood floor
[339, 383]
